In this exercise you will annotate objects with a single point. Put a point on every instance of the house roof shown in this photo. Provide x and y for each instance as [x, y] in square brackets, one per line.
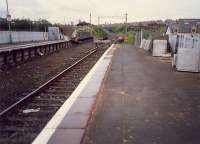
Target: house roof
[185, 25]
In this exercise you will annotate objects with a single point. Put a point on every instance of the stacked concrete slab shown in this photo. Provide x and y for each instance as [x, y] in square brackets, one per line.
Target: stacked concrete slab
[143, 42]
[186, 49]
[54, 33]
[188, 54]
[147, 46]
[173, 40]
[159, 48]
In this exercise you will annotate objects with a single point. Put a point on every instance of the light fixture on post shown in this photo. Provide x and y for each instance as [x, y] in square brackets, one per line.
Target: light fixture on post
[8, 18]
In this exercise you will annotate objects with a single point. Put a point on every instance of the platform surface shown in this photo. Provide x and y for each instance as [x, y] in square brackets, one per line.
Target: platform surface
[145, 101]
[8, 48]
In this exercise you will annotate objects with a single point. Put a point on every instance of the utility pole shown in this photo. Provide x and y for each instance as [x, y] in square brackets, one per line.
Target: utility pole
[141, 35]
[90, 18]
[126, 21]
[8, 16]
[98, 20]
[30, 25]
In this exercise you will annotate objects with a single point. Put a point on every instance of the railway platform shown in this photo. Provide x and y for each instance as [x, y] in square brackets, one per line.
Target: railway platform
[129, 97]
[14, 54]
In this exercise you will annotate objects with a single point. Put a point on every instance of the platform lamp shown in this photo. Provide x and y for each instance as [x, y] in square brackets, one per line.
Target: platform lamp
[8, 17]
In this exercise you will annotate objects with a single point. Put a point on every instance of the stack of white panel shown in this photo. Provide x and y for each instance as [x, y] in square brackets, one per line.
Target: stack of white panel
[53, 33]
[142, 45]
[173, 39]
[147, 45]
[159, 47]
[188, 55]
[188, 60]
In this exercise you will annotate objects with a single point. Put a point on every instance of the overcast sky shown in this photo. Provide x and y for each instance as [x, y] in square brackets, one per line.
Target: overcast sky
[72, 10]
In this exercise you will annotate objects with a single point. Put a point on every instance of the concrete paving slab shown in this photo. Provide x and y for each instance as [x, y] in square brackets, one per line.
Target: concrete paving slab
[91, 91]
[74, 121]
[82, 106]
[66, 136]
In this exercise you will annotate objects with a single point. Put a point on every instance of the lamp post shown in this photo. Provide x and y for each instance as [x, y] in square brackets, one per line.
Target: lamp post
[126, 22]
[8, 16]
[90, 19]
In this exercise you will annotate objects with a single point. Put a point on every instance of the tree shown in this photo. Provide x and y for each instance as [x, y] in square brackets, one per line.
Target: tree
[25, 25]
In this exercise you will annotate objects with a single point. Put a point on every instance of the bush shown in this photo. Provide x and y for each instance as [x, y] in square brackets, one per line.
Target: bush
[98, 32]
[131, 38]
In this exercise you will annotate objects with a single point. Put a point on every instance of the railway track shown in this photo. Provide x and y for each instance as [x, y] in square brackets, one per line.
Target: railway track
[19, 125]
[16, 83]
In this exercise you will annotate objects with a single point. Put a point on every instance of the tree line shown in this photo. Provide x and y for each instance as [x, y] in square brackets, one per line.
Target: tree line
[25, 25]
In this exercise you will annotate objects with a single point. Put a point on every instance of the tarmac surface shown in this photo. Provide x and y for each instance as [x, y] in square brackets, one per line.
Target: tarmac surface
[145, 101]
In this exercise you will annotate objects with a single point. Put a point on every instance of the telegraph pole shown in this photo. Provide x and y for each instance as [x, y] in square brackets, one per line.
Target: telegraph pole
[126, 21]
[98, 20]
[141, 35]
[90, 18]
[8, 16]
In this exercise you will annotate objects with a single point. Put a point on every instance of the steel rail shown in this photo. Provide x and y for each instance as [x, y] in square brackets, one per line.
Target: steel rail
[46, 84]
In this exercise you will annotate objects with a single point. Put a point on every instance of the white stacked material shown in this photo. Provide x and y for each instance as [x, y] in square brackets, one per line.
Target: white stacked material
[159, 47]
[188, 60]
[147, 45]
[188, 55]
[173, 40]
[53, 33]
[142, 45]
[168, 31]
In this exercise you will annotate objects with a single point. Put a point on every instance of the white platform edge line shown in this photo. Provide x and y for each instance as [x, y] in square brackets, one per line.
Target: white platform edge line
[45, 136]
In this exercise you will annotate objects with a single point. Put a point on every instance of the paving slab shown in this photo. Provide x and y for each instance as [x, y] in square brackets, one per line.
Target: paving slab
[74, 121]
[82, 106]
[65, 136]
[146, 101]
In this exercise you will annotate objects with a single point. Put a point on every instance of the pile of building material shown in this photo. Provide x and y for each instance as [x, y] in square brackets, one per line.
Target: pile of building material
[142, 45]
[188, 54]
[173, 42]
[54, 34]
[184, 40]
[159, 48]
[146, 44]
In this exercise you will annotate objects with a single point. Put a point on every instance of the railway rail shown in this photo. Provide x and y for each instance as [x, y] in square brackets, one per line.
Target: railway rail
[18, 126]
